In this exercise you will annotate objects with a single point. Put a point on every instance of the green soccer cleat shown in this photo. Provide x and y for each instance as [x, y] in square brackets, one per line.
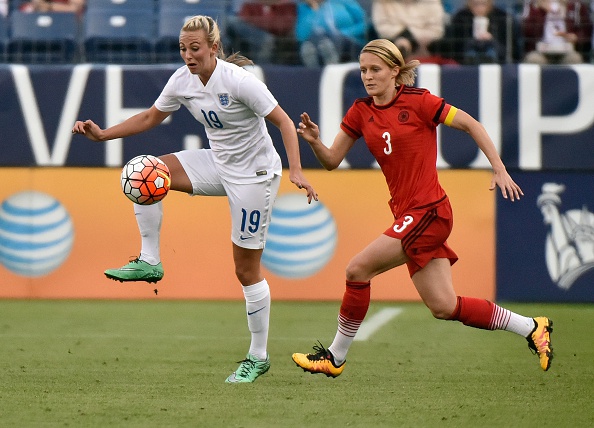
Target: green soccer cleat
[321, 361]
[540, 341]
[136, 270]
[249, 369]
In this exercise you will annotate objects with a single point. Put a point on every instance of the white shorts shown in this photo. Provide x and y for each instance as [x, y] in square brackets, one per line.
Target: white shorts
[250, 204]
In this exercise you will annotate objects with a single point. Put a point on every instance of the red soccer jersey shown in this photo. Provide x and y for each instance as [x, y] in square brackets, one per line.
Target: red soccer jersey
[402, 137]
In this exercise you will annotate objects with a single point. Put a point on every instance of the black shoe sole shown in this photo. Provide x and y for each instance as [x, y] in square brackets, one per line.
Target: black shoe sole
[150, 281]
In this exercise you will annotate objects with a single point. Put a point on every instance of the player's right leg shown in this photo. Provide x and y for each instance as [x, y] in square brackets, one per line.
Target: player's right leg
[147, 266]
[192, 172]
[382, 254]
[320, 360]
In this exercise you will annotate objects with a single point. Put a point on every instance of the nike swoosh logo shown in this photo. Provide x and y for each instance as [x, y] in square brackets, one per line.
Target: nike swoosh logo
[243, 238]
[188, 98]
[257, 310]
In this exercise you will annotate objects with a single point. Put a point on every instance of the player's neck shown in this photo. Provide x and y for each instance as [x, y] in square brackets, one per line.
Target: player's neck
[205, 75]
[386, 97]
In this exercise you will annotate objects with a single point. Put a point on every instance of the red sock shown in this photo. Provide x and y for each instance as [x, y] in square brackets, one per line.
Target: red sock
[353, 309]
[474, 312]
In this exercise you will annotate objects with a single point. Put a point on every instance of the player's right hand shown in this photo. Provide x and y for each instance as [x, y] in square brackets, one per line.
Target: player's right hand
[308, 129]
[88, 128]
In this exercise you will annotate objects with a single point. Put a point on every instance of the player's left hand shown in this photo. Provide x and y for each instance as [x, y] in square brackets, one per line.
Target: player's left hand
[299, 180]
[507, 185]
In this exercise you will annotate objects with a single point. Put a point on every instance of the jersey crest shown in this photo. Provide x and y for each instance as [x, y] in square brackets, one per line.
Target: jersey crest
[224, 99]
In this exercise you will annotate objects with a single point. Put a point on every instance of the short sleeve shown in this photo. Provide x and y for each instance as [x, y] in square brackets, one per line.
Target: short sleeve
[168, 100]
[351, 122]
[256, 95]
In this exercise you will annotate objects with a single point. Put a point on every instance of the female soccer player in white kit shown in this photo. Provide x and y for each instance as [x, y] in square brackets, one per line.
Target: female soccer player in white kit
[241, 164]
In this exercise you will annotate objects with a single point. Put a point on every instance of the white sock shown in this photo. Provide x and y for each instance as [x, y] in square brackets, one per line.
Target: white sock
[257, 306]
[520, 324]
[504, 319]
[148, 218]
[340, 346]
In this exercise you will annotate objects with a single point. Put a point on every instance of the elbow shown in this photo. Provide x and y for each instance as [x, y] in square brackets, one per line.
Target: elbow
[329, 166]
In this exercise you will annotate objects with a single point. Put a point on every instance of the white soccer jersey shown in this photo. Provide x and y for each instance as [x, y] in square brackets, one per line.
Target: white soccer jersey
[232, 107]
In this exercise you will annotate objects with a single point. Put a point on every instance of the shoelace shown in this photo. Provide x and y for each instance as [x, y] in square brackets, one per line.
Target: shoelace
[246, 366]
[320, 353]
[534, 347]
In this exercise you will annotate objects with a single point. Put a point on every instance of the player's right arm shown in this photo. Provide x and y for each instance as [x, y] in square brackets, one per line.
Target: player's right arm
[329, 157]
[136, 124]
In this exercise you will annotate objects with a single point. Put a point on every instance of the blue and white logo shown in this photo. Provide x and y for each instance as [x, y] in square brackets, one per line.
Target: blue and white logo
[36, 234]
[224, 99]
[301, 237]
[569, 246]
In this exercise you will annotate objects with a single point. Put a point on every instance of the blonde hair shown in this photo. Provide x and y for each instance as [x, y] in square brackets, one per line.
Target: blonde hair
[213, 35]
[391, 55]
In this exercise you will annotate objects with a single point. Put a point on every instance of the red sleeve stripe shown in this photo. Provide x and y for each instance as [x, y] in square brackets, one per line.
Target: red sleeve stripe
[352, 133]
[437, 118]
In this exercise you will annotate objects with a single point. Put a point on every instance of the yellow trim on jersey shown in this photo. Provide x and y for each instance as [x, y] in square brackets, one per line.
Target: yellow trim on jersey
[450, 117]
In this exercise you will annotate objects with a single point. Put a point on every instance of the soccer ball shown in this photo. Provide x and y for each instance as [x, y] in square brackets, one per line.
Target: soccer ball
[145, 180]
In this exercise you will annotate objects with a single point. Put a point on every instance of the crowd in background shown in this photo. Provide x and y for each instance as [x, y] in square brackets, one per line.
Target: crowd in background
[315, 33]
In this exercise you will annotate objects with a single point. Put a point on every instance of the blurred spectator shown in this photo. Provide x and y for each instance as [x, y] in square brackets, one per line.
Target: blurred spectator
[76, 6]
[3, 7]
[411, 24]
[262, 29]
[330, 31]
[557, 32]
[482, 33]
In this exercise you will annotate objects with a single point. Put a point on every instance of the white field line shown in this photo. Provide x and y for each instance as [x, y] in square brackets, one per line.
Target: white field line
[374, 323]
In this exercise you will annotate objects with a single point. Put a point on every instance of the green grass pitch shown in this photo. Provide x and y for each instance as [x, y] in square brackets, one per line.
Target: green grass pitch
[163, 364]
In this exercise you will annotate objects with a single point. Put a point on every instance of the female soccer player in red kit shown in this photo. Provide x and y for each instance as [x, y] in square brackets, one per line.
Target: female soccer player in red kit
[398, 123]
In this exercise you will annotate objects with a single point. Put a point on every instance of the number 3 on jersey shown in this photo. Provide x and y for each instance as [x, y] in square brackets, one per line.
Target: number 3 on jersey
[400, 228]
[388, 139]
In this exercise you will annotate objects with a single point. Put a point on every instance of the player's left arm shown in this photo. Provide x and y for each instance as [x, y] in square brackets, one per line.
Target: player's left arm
[459, 119]
[283, 122]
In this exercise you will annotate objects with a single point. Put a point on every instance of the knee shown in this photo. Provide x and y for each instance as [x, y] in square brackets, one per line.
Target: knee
[356, 272]
[441, 310]
[247, 276]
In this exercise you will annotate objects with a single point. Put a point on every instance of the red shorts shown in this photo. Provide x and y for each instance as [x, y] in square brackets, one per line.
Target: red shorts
[423, 232]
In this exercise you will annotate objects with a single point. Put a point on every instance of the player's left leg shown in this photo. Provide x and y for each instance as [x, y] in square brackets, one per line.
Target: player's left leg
[251, 206]
[434, 284]
[257, 306]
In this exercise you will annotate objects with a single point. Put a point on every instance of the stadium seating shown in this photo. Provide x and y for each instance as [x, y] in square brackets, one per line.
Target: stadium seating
[3, 38]
[167, 40]
[43, 37]
[119, 37]
[120, 5]
[214, 8]
[191, 5]
[171, 15]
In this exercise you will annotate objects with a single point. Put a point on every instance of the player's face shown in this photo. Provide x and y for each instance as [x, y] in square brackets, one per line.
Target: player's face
[379, 79]
[194, 49]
